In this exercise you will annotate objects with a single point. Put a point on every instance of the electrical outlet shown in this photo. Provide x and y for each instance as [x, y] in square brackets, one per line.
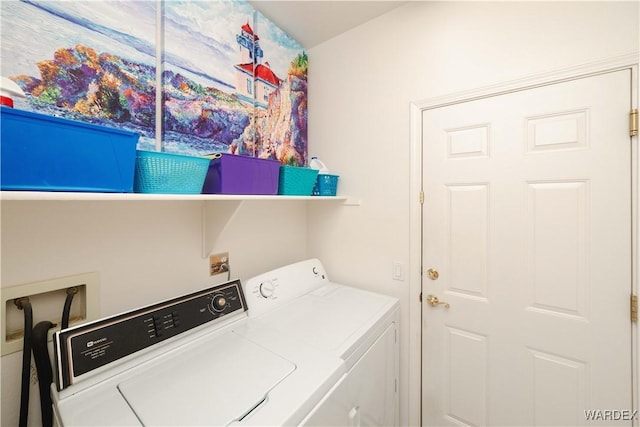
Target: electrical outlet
[47, 301]
[218, 263]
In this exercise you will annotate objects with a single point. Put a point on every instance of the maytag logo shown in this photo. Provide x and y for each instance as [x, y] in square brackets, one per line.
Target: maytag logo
[92, 343]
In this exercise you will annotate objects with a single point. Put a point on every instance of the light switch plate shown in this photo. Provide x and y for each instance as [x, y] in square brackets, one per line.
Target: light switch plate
[397, 271]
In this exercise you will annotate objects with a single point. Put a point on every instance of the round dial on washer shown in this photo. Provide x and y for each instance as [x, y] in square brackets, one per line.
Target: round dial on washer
[219, 302]
[267, 289]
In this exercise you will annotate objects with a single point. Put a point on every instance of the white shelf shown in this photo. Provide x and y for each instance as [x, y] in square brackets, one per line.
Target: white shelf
[217, 209]
[77, 196]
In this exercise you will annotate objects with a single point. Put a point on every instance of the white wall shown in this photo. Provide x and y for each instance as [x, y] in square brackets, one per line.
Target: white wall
[143, 251]
[361, 87]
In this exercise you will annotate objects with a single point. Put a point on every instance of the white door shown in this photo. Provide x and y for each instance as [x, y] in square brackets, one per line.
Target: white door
[527, 221]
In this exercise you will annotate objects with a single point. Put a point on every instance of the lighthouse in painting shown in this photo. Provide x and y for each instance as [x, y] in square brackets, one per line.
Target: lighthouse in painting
[254, 80]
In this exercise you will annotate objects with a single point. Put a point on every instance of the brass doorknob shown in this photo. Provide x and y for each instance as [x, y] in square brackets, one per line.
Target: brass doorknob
[433, 274]
[434, 301]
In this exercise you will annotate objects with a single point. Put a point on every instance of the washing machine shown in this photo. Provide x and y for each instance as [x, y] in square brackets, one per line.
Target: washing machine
[192, 360]
[299, 304]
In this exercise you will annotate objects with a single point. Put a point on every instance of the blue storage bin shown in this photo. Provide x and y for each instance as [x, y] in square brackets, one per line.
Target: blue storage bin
[40, 152]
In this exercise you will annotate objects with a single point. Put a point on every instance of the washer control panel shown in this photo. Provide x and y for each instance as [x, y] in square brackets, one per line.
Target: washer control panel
[83, 348]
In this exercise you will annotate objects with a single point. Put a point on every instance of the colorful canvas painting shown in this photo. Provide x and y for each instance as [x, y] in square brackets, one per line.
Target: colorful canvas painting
[84, 60]
[202, 113]
[231, 80]
[281, 96]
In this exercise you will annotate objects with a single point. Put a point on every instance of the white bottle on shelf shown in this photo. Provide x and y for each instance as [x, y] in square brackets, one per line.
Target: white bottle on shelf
[317, 164]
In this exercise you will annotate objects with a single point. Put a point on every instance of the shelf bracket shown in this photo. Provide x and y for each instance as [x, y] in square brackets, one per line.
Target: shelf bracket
[350, 201]
[216, 216]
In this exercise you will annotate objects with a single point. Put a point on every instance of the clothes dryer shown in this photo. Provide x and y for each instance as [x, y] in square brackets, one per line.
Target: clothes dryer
[301, 305]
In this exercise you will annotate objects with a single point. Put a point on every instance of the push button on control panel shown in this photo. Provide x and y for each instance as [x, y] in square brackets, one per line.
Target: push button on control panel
[157, 321]
[176, 319]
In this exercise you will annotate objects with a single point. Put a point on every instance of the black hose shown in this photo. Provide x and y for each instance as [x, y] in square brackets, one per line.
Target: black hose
[45, 373]
[67, 307]
[24, 305]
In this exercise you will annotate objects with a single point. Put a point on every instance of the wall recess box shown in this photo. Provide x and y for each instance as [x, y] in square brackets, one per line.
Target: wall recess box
[47, 300]
[218, 263]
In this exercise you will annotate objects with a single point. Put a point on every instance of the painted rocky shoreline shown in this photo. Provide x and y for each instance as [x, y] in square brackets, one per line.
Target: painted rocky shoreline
[107, 89]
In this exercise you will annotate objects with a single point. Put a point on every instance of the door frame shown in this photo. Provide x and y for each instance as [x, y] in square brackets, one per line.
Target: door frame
[630, 61]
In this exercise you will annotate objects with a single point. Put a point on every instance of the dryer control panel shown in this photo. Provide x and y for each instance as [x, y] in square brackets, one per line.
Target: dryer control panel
[277, 287]
[84, 348]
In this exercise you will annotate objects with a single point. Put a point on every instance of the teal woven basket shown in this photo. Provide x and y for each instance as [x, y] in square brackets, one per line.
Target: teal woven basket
[326, 185]
[165, 173]
[295, 181]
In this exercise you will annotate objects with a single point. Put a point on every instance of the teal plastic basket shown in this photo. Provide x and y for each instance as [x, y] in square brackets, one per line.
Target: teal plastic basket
[165, 173]
[326, 185]
[295, 181]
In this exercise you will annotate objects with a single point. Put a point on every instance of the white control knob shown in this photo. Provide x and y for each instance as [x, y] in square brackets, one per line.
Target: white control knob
[267, 289]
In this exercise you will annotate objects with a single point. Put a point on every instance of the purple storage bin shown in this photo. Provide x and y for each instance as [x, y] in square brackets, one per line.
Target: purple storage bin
[233, 174]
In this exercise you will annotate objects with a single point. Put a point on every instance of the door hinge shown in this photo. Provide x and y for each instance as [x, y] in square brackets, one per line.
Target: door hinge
[422, 197]
[420, 297]
[634, 308]
[633, 122]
